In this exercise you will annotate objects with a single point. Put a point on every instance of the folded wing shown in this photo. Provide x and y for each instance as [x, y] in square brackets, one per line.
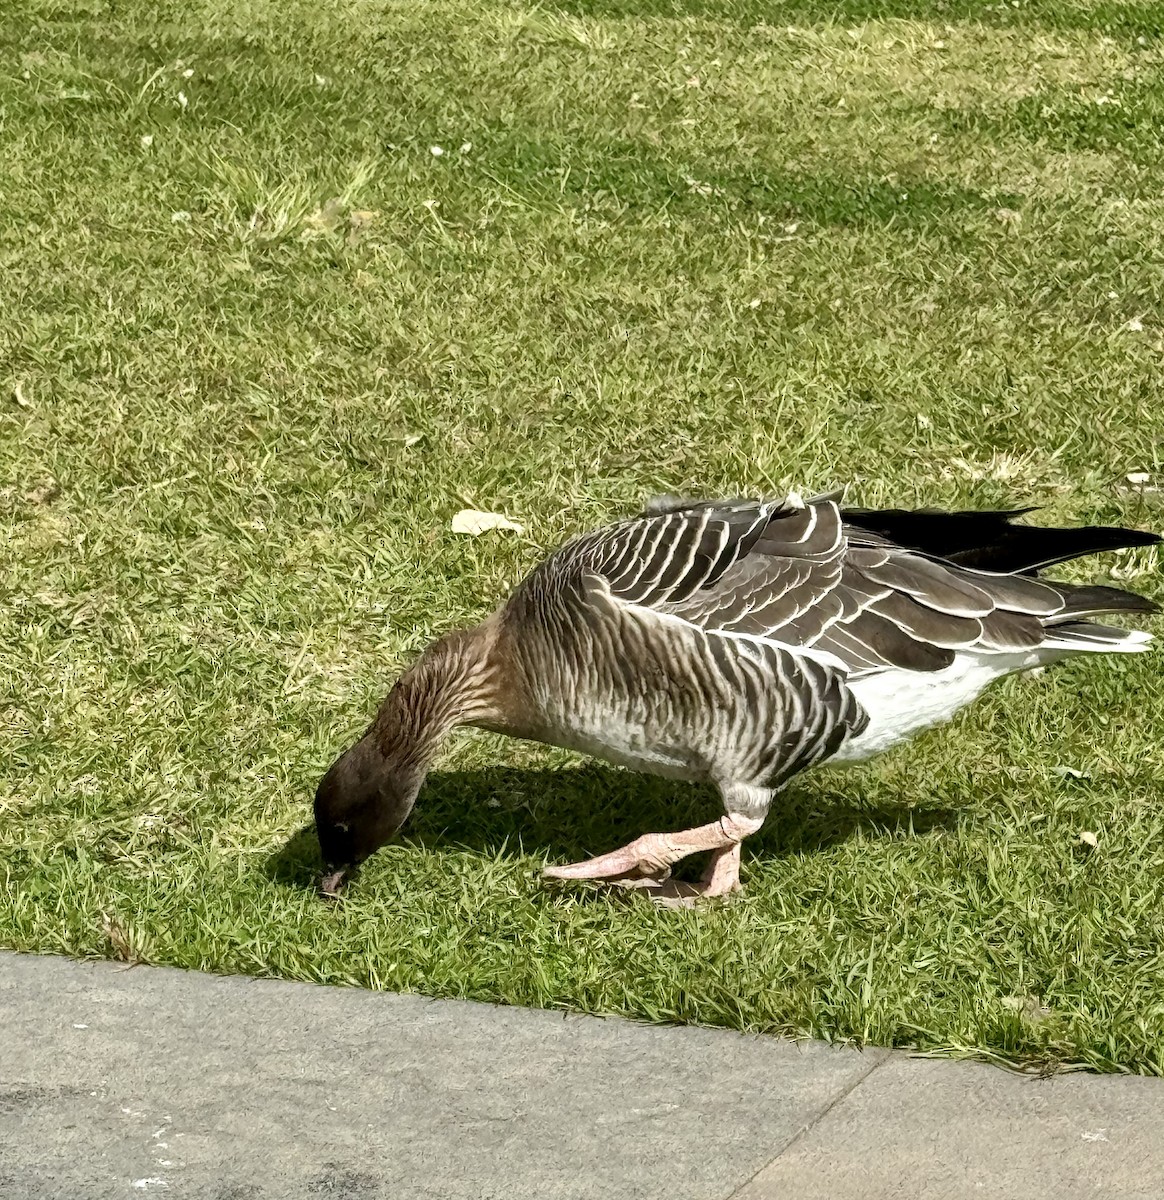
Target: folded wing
[797, 576]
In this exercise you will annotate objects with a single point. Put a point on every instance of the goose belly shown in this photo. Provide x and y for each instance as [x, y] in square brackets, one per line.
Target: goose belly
[641, 744]
[903, 703]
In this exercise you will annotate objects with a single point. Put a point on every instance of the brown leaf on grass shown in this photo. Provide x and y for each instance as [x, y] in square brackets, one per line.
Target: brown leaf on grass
[122, 940]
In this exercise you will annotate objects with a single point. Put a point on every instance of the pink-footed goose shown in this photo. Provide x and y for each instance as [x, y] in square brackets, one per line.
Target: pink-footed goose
[736, 643]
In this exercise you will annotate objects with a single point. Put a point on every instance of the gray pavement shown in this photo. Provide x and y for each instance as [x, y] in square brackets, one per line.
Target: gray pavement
[119, 1082]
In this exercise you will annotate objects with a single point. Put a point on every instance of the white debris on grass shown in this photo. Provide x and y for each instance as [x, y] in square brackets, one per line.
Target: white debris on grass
[473, 522]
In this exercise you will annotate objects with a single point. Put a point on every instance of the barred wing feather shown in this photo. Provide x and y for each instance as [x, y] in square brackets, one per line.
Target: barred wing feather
[798, 577]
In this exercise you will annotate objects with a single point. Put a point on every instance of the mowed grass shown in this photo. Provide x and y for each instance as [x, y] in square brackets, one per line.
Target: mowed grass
[259, 341]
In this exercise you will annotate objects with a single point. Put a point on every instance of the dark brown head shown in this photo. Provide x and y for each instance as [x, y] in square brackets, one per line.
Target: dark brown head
[369, 791]
[359, 805]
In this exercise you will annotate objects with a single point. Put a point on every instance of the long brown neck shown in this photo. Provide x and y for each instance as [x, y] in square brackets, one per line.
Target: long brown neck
[454, 682]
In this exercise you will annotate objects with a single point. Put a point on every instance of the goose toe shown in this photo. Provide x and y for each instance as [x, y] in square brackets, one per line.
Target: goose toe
[640, 860]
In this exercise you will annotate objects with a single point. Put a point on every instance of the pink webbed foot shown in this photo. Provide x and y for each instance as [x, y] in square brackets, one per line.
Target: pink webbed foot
[646, 858]
[646, 863]
[721, 878]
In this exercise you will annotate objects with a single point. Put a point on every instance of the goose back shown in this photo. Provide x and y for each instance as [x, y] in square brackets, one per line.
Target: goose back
[728, 640]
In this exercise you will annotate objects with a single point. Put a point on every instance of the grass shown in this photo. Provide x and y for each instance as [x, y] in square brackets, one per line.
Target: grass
[259, 341]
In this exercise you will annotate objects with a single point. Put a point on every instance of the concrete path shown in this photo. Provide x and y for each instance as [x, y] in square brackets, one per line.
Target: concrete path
[120, 1082]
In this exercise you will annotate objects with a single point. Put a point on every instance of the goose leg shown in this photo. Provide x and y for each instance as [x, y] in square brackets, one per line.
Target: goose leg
[721, 878]
[646, 862]
[649, 856]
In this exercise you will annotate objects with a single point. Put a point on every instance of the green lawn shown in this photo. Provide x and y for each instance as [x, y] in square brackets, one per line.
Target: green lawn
[259, 341]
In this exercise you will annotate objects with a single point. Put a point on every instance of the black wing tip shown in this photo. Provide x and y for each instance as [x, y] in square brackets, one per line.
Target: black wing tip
[1144, 605]
[991, 540]
[1101, 598]
[1134, 537]
[1097, 539]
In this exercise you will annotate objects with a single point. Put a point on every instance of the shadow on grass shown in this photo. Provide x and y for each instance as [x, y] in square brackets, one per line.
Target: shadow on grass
[566, 815]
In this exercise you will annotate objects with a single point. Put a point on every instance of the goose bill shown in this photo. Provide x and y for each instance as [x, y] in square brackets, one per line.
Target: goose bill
[332, 884]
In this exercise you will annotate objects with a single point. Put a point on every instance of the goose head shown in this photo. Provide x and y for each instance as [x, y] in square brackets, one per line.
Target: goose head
[371, 788]
[360, 803]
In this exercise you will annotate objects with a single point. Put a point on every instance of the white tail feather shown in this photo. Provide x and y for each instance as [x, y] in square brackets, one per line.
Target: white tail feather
[1133, 641]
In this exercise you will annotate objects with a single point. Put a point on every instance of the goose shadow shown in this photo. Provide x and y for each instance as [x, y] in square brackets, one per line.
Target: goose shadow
[568, 814]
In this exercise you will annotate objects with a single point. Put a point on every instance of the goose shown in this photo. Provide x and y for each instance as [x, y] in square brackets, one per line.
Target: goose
[736, 643]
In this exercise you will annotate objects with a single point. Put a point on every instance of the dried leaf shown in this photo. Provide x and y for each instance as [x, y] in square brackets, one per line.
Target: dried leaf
[121, 939]
[1069, 773]
[1142, 483]
[325, 218]
[1088, 839]
[474, 523]
[360, 220]
[1028, 1007]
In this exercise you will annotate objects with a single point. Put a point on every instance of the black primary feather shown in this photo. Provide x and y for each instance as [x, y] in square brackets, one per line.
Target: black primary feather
[989, 541]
